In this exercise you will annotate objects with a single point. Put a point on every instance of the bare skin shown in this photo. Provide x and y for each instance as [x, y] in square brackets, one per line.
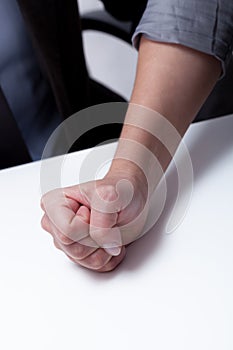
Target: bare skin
[172, 80]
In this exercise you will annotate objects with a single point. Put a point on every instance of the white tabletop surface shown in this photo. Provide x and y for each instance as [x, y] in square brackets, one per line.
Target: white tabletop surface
[175, 293]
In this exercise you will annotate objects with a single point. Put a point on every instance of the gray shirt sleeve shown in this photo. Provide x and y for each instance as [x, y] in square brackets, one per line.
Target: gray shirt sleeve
[204, 25]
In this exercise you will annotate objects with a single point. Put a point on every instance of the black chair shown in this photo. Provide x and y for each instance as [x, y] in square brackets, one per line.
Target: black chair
[102, 21]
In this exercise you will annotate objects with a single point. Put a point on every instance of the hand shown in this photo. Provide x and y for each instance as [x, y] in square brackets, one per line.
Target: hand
[93, 222]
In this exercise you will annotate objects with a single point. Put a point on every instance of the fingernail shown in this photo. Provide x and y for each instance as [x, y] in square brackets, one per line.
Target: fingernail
[115, 251]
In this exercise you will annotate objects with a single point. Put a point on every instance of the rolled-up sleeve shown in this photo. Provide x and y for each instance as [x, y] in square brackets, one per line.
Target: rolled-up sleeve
[204, 25]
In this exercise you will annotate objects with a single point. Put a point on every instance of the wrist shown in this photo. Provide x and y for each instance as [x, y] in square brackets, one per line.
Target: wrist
[126, 169]
[140, 157]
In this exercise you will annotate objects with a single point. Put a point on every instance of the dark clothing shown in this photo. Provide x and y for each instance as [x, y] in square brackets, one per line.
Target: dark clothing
[55, 31]
[56, 37]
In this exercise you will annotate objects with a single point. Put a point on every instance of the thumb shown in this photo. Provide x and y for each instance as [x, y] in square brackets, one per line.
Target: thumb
[105, 233]
[103, 220]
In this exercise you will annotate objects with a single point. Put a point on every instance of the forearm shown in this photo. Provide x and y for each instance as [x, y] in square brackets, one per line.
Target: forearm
[173, 81]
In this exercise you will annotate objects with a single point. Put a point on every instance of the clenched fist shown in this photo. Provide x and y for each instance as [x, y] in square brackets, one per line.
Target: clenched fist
[92, 223]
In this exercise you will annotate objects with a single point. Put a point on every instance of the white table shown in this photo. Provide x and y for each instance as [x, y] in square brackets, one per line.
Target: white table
[172, 294]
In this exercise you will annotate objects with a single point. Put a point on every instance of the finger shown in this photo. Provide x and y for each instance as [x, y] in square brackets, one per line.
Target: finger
[48, 226]
[103, 220]
[104, 233]
[96, 260]
[64, 212]
[76, 251]
[114, 262]
[43, 203]
[82, 223]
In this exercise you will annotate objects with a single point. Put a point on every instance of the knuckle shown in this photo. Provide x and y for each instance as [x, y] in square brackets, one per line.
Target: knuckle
[63, 238]
[47, 197]
[44, 224]
[108, 193]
